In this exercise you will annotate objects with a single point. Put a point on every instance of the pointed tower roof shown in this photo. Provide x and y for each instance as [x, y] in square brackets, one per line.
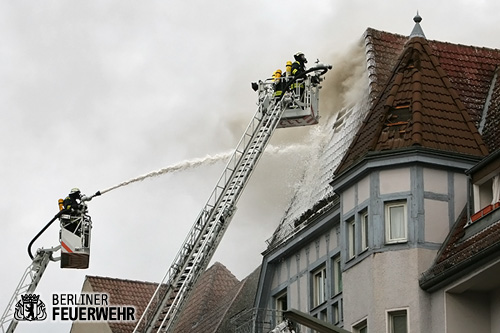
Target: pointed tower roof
[417, 108]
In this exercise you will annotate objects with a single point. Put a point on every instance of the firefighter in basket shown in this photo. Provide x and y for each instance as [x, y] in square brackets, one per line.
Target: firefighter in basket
[72, 207]
[298, 67]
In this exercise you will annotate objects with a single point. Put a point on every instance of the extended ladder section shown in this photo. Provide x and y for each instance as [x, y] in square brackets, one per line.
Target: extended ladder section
[203, 238]
[27, 285]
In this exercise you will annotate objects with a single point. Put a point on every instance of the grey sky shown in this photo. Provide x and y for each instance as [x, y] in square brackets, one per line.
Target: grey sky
[94, 93]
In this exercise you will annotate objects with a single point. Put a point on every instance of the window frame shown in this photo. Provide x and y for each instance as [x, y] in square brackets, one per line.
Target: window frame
[388, 221]
[322, 314]
[351, 238]
[391, 314]
[319, 285]
[336, 275]
[337, 312]
[360, 325]
[365, 230]
[278, 303]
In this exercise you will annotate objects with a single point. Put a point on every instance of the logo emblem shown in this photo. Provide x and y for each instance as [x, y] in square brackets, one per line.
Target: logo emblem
[30, 308]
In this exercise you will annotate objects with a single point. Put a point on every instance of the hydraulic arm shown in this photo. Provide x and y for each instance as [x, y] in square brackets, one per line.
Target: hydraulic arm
[27, 285]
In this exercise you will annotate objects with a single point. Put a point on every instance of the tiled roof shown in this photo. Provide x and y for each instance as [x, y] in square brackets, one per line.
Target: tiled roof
[419, 106]
[461, 250]
[213, 286]
[470, 69]
[124, 292]
[218, 318]
[215, 298]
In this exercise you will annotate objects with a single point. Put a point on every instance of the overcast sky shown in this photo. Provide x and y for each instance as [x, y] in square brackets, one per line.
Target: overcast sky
[93, 93]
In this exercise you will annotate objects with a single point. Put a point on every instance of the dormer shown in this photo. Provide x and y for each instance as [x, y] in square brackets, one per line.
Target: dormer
[485, 188]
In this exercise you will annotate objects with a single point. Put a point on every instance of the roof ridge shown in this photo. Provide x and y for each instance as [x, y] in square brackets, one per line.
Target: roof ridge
[119, 279]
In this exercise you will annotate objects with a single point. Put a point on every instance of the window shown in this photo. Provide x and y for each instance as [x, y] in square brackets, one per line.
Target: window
[322, 315]
[495, 187]
[398, 118]
[319, 286]
[351, 234]
[483, 194]
[337, 312]
[361, 327]
[395, 222]
[337, 275]
[486, 193]
[364, 231]
[281, 305]
[397, 321]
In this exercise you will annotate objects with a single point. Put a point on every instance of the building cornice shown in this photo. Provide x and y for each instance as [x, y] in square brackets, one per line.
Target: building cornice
[405, 156]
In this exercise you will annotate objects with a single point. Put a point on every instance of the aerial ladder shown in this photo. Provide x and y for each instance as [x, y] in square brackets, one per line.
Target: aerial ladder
[74, 244]
[293, 108]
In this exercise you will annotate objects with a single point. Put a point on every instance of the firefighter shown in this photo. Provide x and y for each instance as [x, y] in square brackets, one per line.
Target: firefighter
[278, 84]
[73, 207]
[298, 67]
[72, 201]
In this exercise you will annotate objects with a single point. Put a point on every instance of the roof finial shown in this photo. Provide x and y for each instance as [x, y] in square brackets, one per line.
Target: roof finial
[417, 18]
[417, 30]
